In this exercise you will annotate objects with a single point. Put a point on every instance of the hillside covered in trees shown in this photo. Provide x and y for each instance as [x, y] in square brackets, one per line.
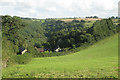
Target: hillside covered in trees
[75, 34]
[25, 33]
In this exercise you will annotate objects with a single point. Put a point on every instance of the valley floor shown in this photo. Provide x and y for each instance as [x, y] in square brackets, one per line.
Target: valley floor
[98, 61]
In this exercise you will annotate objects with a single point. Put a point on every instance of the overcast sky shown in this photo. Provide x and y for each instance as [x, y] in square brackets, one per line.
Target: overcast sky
[59, 8]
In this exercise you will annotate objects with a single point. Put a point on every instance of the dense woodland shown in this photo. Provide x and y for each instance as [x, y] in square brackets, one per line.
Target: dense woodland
[25, 33]
[74, 34]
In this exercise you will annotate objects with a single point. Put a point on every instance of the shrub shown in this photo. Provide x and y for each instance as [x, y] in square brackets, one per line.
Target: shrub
[83, 21]
[23, 59]
[50, 54]
[19, 59]
[66, 49]
[32, 50]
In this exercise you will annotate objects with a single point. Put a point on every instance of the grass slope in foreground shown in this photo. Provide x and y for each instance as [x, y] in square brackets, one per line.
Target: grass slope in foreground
[97, 61]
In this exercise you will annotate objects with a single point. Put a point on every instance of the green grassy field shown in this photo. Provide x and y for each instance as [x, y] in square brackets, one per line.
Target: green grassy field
[98, 61]
[115, 21]
[89, 24]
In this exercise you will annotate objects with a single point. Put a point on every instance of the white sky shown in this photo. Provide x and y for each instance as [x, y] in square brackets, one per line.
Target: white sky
[59, 8]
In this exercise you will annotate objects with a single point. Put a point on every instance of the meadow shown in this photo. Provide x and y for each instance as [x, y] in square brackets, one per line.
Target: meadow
[97, 61]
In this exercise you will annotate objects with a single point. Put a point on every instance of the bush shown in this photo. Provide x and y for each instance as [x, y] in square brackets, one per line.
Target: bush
[32, 50]
[83, 21]
[50, 54]
[20, 59]
[66, 49]
[23, 59]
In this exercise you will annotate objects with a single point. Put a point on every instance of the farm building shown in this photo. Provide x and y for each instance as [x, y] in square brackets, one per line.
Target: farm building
[40, 49]
[58, 49]
[22, 51]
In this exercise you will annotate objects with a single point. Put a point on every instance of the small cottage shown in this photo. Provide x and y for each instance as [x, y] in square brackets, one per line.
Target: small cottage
[39, 49]
[22, 51]
[58, 49]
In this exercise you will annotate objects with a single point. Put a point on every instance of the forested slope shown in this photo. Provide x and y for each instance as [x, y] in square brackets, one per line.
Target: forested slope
[33, 32]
